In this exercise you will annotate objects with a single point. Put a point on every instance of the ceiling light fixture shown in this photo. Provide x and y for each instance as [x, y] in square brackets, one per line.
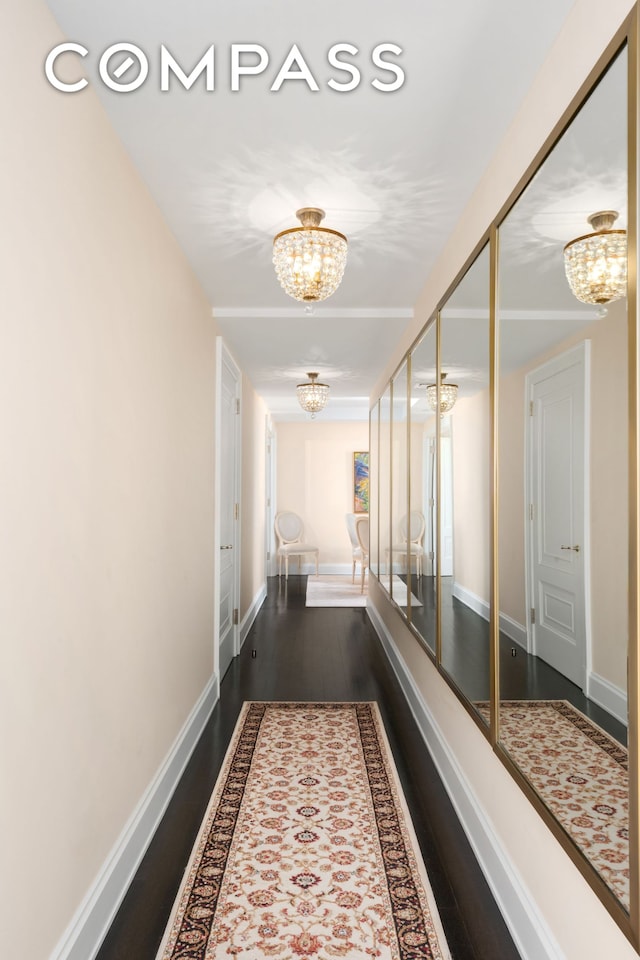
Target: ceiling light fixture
[312, 396]
[448, 395]
[596, 264]
[310, 259]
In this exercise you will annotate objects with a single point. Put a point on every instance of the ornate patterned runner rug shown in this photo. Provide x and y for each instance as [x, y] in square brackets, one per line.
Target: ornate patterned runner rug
[581, 774]
[307, 851]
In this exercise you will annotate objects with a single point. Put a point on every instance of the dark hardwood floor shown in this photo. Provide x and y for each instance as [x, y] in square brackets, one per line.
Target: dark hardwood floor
[314, 654]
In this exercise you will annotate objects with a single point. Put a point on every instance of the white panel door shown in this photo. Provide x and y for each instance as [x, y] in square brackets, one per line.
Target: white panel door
[228, 469]
[557, 481]
[271, 565]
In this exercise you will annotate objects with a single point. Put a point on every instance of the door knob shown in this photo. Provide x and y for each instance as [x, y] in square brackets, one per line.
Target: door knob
[226, 546]
[576, 548]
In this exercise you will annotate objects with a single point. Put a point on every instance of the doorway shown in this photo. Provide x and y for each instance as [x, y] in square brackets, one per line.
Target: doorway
[227, 507]
[270, 498]
[557, 503]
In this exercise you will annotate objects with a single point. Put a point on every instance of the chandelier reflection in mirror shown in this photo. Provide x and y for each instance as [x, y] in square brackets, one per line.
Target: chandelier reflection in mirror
[310, 259]
[596, 264]
[312, 396]
[448, 395]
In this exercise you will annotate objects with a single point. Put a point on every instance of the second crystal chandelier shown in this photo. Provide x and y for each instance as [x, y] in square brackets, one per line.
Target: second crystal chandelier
[312, 396]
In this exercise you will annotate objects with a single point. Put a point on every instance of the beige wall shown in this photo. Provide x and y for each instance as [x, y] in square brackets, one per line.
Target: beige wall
[252, 518]
[576, 919]
[608, 482]
[106, 479]
[315, 480]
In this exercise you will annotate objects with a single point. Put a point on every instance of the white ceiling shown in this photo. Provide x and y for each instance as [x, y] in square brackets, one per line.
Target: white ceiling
[393, 171]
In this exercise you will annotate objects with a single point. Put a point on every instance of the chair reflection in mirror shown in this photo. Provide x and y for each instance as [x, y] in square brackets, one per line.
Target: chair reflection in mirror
[362, 533]
[356, 550]
[289, 530]
[412, 528]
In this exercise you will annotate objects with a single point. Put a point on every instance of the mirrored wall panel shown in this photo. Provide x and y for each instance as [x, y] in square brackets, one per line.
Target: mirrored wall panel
[374, 480]
[422, 507]
[396, 548]
[384, 490]
[465, 494]
[563, 481]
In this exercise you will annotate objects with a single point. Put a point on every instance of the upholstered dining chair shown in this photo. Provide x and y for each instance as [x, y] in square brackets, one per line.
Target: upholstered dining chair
[356, 551]
[290, 534]
[362, 533]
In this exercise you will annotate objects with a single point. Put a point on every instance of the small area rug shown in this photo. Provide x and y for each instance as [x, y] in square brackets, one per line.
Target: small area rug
[581, 774]
[338, 591]
[335, 591]
[306, 851]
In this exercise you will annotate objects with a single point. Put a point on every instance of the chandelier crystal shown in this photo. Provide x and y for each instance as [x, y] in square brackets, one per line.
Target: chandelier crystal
[312, 396]
[448, 395]
[596, 264]
[310, 259]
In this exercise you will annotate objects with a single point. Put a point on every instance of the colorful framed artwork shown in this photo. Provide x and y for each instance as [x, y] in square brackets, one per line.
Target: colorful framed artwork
[361, 481]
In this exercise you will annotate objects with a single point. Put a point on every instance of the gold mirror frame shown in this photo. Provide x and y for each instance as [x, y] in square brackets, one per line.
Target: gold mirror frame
[629, 922]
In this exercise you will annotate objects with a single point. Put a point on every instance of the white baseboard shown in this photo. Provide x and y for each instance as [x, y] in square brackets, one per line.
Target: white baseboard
[511, 628]
[252, 613]
[514, 630]
[89, 925]
[613, 699]
[526, 924]
[471, 600]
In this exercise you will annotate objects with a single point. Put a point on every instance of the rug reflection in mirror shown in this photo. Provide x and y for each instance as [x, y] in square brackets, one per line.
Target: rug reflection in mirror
[580, 772]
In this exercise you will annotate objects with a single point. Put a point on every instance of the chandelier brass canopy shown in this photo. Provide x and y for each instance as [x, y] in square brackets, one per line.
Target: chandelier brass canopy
[312, 396]
[448, 395]
[310, 259]
[596, 264]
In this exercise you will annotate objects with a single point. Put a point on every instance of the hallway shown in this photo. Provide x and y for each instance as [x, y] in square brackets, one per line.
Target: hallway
[314, 654]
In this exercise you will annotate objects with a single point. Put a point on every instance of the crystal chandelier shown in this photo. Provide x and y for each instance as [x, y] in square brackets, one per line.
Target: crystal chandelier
[596, 264]
[312, 396]
[310, 259]
[448, 395]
